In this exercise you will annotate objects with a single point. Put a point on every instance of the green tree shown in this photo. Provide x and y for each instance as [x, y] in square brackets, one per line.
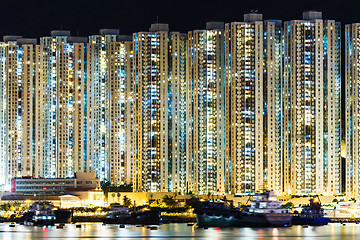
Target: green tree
[17, 206]
[5, 206]
[191, 202]
[105, 184]
[127, 201]
[289, 205]
[169, 201]
[154, 204]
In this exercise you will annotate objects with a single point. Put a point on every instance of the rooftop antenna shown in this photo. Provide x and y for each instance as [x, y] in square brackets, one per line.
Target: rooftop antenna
[157, 19]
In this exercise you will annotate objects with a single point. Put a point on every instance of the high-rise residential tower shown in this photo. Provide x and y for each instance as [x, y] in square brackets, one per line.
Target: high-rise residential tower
[129, 111]
[98, 117]
[311, 106]
[61, 86]
[72, 82]
[109, 110]
[253, 64]
[159, 140]
[65, 69]
[17, 111]
[352, 106]
[42, 121]
[48, 148]
[206, 108]
[120, 116]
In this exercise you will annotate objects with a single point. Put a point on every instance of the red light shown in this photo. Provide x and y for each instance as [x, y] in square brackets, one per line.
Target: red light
[44, 188]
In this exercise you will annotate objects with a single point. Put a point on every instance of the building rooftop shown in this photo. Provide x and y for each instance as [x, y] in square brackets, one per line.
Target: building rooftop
[20, 197]
[159, 27]
[9, 38]
[312, 15]
[77, 40]
[109, 31]
[60, 33]
[124, 38]
[253, 17]
[215, 26]
[21, 41]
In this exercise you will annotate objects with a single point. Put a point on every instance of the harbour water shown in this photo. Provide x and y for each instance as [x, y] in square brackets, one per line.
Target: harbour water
[178, 231]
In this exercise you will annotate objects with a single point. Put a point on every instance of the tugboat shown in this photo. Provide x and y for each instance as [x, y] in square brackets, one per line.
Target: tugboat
[311, 214]
[121, 214]
[264, 211]
[41, 213]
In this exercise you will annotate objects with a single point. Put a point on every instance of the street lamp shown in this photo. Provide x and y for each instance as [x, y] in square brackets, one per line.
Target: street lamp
[113, 196]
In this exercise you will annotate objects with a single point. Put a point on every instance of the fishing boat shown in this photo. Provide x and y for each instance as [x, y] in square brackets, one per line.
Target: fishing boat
[122, 214]
[40, 213]
[264, 211]
[118, 214]
[311, 214]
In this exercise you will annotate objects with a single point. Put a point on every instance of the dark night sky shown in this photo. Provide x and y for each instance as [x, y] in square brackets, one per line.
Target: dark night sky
[37, 18]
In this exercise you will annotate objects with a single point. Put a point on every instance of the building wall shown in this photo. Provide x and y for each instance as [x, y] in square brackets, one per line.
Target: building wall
[50, 138]
[3, 148]
[27, 69]
[55, 186]
[352, 43]
[12, 112]
[99, 146]
[92, 111]
[129, 111]
[179, 114]
[159, 138]
[312, 106]
[206, 78]
[253, 105]
[119, 66]
[18, 74]
[71, 128]
[40, 125]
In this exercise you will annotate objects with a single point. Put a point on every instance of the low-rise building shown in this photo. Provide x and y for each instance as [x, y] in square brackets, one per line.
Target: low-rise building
[83, 198]
[54, 186]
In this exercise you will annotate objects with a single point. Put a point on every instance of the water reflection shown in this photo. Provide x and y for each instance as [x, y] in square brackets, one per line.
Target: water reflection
[178, 231]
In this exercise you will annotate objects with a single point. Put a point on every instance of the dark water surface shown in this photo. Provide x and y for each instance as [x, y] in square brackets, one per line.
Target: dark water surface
[178, 231]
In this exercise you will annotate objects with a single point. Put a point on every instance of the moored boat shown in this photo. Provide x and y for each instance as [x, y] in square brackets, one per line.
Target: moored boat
[40, 213]
[264, 211]
[118, 214]
[311, 214]
[121, 214]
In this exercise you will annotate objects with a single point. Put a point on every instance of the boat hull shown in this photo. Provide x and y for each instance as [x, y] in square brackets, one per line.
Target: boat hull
[44, 222]
[63, 216]
[246, 220]
[143, 218]
[312, 221]
[39, 223]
